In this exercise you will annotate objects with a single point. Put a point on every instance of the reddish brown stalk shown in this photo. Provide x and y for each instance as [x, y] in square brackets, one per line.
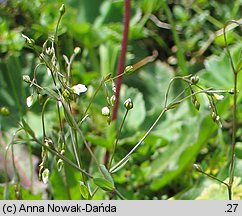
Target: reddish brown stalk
[121, 62]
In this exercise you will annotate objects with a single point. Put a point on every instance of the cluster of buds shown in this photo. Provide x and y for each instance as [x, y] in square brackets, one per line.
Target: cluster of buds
[43, 171]
[214, 115]
[195, 102]
[59, 161]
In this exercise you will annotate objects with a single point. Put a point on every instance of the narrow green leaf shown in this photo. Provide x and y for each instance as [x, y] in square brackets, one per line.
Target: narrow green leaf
[106, 174]
[27, 128]
[84, 191]
[107, 77]
[52, 94]
[239, 66]
[68, 119]
[173, 105]
[104, 184]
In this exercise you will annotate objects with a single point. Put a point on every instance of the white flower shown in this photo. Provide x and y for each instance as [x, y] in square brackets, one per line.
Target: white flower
[79, 88]
[77, 50]
[29, 101]
[105, 111]
[48, 71]
[45, 176]
[59, 104]
[218, 97]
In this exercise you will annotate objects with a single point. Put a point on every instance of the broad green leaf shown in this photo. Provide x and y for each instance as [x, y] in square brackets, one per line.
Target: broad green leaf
[216, 191]
[137, 114]
[108, 58]
[218, 72]
[98, 141]
[70, 188]
[181, 154]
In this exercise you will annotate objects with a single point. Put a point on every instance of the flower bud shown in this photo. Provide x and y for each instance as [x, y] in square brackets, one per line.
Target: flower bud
[62, 9]
[109, 120]
[29, 100]
[4, 111]
[128, 104]
[197, 105]
[194, 79]
[231, 91]
[105, 111]
[66, 94]
[112, 100]
[113, 87]
[214, 116]
[48, 142]
[77, 50]
[197, 167]
[128, 69]
[26, 78]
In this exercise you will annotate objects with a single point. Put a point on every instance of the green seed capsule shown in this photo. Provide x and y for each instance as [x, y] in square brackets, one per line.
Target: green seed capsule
[197, 105]
[214, 116]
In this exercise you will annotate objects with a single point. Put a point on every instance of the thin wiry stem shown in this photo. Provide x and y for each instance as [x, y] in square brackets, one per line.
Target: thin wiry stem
[139, 143]
[234, 126]
[118, 136]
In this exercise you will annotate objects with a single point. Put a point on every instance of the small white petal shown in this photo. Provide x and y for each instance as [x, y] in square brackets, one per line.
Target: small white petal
[77, 50]
[59, 104]
[218, 97]
[79, 88]
[29, 101]
[48, 72]
[105, 111]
